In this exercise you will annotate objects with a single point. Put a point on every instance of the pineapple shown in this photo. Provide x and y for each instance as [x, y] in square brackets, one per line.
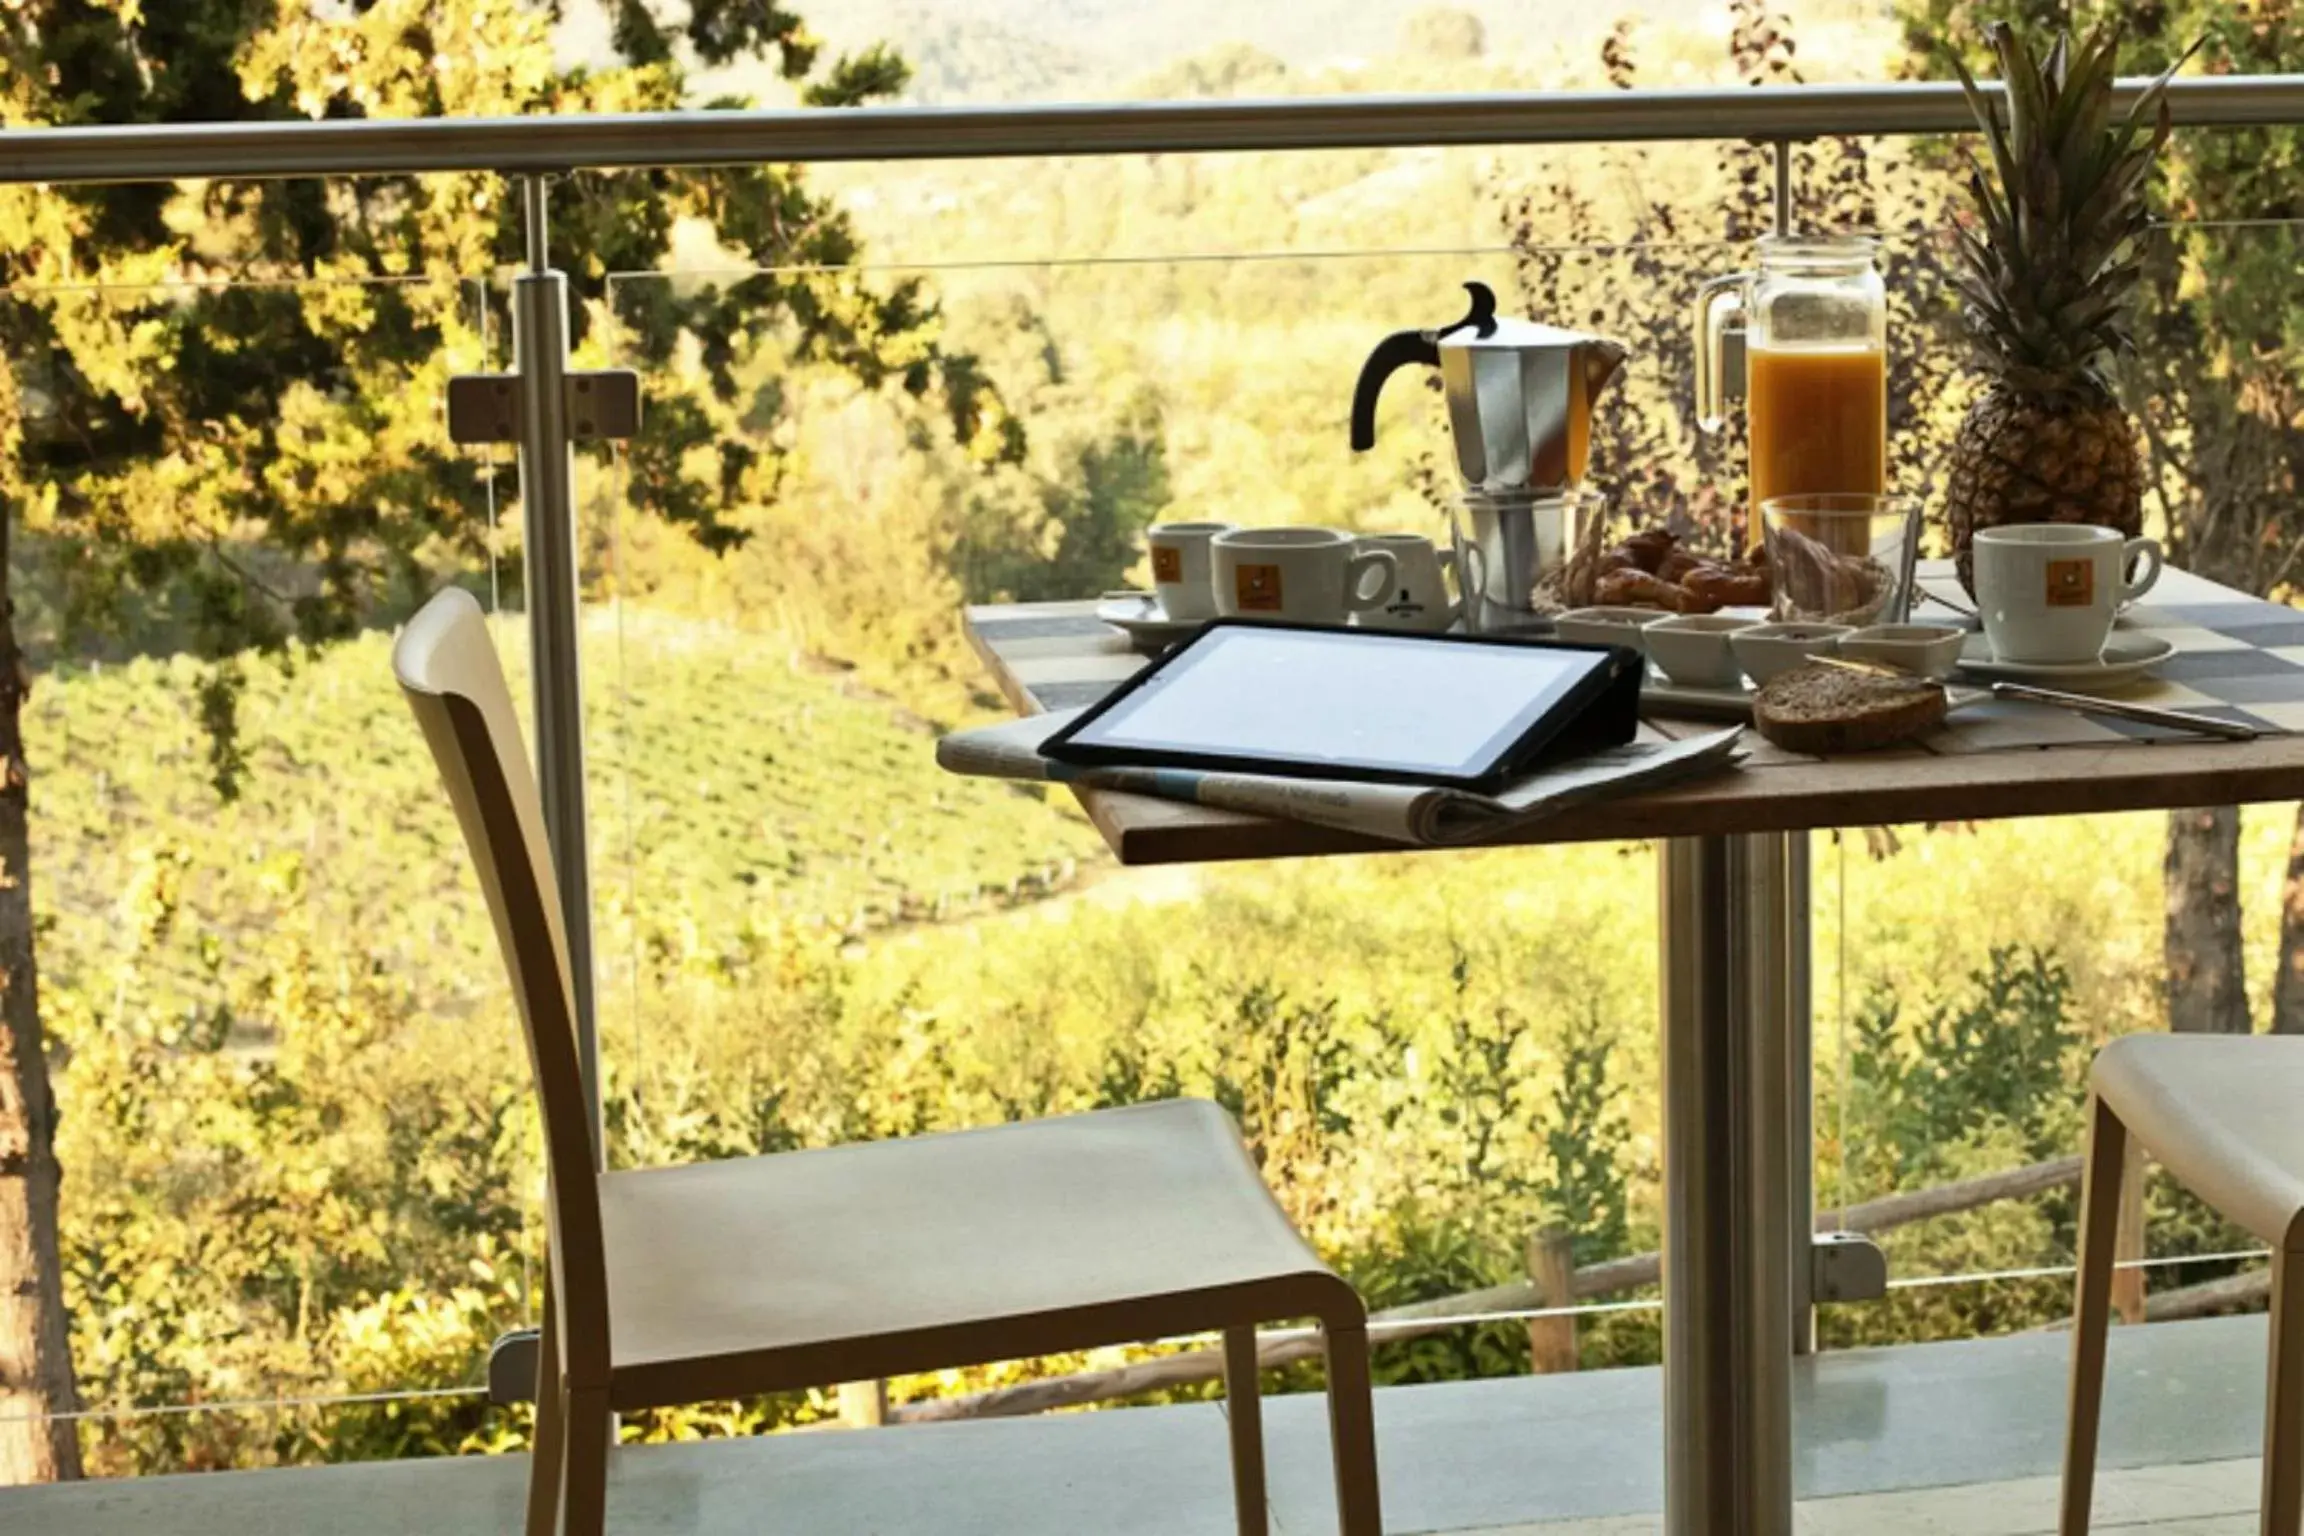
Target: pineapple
[2046, 281]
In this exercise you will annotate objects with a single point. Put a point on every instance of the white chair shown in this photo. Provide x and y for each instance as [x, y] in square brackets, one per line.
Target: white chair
[2225, 1114]
[765, 1274]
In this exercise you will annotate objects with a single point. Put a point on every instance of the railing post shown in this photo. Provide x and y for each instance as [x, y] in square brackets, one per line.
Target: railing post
[548, 537]
[1799, 1022]
[864, 1404]
[1551, 1256]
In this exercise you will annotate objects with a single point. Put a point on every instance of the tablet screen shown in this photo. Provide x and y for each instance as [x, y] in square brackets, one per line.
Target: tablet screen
[1400, 703]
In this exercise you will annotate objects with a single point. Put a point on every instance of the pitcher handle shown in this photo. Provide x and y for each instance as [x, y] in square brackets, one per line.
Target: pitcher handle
[1715, 302]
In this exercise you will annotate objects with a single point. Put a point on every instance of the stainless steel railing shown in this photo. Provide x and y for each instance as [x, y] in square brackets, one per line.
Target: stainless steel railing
[548, 145]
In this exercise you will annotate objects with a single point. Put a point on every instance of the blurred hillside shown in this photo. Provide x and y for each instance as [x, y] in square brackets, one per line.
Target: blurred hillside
[1041, 50]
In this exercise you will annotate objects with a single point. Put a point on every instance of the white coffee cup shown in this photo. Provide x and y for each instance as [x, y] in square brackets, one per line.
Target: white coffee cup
[2048, 592]
[1299, 575]
[1417, 598]
[1183, 573]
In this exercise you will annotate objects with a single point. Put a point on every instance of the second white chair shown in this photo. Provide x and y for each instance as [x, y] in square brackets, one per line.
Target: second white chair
[2224, 1114]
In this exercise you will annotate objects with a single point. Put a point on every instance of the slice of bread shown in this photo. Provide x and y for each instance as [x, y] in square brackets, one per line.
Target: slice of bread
[1824, 710]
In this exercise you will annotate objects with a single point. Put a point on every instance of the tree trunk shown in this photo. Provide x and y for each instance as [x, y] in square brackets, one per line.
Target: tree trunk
[2288, 985]
[2207, 993]
[35, 1346]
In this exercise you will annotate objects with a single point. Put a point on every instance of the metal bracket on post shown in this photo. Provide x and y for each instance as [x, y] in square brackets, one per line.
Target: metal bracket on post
[601, 406]
[512, 1367]
[1846, 1266]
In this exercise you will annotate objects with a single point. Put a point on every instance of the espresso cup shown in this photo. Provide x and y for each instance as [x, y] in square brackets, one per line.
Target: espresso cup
[1183, 574]
[2048, 592]
[1417, 597]
[1299, 575]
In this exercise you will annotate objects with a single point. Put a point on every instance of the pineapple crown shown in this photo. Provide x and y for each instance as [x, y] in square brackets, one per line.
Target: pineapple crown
[2046, 276]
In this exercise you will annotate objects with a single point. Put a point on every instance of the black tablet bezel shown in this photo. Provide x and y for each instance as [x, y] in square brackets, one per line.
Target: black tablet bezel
[1519, 744]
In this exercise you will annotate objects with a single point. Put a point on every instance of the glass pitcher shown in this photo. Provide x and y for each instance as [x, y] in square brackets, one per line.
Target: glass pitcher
[1816, 366]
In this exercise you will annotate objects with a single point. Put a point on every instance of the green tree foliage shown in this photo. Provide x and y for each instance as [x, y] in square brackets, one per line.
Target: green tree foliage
[220, 411]
[2005, 1056]
[1086, 532]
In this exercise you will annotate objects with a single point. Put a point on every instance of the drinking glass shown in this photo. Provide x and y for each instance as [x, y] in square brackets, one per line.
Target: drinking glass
[1842, 557]
[1525, 557]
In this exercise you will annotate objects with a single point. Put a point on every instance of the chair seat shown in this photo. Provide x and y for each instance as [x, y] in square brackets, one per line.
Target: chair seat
[2224, 1113]
[876, 1258]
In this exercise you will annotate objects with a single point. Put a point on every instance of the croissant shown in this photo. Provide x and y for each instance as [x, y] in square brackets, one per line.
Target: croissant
[1640, 589]
[1728, 586]
[1649, 546]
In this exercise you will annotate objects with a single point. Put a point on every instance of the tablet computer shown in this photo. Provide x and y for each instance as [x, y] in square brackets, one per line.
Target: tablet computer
[1313, 701]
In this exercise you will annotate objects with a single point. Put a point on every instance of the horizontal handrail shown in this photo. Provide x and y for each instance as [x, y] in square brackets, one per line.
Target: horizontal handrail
[549, 145]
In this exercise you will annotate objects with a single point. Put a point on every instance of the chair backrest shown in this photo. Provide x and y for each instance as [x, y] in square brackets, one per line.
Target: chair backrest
[448, 669]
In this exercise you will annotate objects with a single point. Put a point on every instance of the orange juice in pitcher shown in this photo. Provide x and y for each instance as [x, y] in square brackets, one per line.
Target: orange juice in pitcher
[1816, 367]
[1819, 420]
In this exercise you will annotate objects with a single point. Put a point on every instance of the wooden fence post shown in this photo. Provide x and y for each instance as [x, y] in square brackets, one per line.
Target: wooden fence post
[2128, 1238]
[1552, 1273]
[863, 1404]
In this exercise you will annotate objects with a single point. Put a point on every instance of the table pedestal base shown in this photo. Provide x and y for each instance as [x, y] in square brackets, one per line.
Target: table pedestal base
[1728, 928]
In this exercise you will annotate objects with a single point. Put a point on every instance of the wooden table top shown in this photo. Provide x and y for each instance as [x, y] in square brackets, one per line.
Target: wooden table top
[2237, 657]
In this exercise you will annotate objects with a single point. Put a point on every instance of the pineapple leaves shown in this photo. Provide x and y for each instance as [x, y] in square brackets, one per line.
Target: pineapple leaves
[1989, 121]
[2027, 106]
[2083, 111]
[2045, 274]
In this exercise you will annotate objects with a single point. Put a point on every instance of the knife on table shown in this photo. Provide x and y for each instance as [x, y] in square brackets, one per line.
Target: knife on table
[2079, 703]
[2143, 714]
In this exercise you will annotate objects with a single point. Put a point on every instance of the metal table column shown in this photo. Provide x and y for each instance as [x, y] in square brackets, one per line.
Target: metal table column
[1728, 989]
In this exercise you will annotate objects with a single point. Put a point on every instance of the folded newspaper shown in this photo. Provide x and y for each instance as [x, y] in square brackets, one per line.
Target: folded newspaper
[1405, 813]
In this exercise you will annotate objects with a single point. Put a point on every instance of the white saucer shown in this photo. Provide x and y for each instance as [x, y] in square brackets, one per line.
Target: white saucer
[1145, 622]
[2129, 656]
[1659, 695]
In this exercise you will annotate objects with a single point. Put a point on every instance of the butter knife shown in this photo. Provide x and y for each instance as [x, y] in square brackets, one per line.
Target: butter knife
[2143, 714]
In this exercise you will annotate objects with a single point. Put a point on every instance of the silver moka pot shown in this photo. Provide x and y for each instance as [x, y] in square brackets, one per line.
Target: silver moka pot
[1520, 400]
[1519, 394]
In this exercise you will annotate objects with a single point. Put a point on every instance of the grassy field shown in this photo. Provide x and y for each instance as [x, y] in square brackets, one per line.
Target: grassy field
[733, 790]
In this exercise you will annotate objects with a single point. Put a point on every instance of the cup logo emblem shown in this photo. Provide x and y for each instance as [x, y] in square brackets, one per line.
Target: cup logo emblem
[1257, 588]
[1167, 563]
[2071, 584]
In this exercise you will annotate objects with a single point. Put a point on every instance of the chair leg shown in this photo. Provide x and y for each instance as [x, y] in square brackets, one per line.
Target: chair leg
[1244, 1412]
[2091, 1312]
[1352, 1432]
[544, 1469]
[584, 1479]
[2284, 1403]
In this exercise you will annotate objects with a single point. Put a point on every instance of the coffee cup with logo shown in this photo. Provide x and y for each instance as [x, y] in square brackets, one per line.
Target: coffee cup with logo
[1299, 575]
[1183, 571]
[1417, 598]
[2048, 592]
